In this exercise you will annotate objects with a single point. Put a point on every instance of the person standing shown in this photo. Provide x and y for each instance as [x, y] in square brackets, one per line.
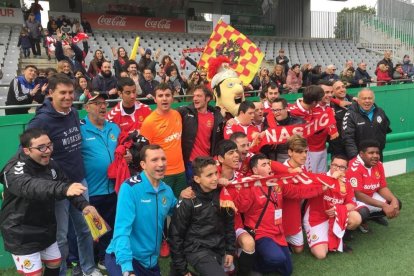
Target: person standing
[35, 33]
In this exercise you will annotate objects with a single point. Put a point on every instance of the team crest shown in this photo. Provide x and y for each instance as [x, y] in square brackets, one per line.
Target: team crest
[209, 124]
[377, 174]
[379, 119]
[230, 49]
[97, 223]
[164, 200]
[28, 264]
[314, 238]
[140, 118]
[112, 136]
[54, 174]
[354, 182]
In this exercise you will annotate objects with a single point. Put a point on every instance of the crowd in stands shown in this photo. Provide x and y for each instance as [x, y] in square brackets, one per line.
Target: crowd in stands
[142, 166]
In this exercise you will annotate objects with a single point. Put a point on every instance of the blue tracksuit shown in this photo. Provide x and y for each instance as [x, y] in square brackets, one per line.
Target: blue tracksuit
[139, 222]
[98, 148]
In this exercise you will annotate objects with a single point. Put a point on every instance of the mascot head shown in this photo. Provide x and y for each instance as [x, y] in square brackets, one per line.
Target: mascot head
[226, 85]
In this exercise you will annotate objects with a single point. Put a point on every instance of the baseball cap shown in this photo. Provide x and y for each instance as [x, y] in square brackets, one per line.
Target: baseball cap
[96, 94]
[148, 51]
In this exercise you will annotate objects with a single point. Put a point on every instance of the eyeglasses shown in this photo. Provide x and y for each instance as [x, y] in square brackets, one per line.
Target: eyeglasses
[43, 148]
[341, 168]
[100, 103]
[277, 110]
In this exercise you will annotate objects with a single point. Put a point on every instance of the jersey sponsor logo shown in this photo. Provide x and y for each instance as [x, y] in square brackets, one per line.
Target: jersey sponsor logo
[379, 119]
[371, 187]
[145, 200]
[333, 200]
[90, 138]
[354, 182]
[174, 136]
[362, 123]
[124, 124]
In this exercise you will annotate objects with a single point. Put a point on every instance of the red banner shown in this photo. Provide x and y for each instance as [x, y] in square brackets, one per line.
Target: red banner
[134, 23]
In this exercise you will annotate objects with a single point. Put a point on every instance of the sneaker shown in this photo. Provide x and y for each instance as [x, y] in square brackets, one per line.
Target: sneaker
[381, 220]
[101, 265]
[364, 228]
[165, 249]
[76, 270]
[95, 272]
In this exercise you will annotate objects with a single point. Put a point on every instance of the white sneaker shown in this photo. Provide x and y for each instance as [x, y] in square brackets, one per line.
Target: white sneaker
[101, 265]
[95, 272]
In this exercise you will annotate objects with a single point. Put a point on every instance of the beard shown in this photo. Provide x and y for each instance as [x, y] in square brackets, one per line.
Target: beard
[106, 74]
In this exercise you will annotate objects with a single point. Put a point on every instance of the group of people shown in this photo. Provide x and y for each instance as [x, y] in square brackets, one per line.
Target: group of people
[135, 167]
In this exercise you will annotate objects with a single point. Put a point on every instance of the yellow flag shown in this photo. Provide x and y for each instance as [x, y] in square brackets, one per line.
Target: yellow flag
[134, 49]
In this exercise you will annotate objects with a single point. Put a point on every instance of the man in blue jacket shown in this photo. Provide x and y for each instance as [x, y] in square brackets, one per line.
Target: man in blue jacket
[144, 203]
[61, 121]
[99, 141]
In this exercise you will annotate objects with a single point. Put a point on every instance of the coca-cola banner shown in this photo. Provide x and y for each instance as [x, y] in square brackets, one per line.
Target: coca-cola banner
[134, 23]
[199, 27]
[11, 16]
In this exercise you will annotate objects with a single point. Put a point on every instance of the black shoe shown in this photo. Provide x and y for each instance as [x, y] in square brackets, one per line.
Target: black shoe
[348, 236]
[347, 248]
[381, 220]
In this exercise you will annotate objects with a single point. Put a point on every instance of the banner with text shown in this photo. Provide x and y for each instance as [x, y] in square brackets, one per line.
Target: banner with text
[134, 23]
[11, 16]
[199, 27]
[255, 29]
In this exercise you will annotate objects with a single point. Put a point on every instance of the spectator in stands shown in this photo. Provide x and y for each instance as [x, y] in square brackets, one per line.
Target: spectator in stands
[146, 61]
[35, 9]
[283, 60]
[279, 116]
[269, 94]
[71, 53]
[129, 114]
[176, 82]
[99, 141]
[63, 67]
[66, 29]
[96, 63]
[316, 74]
[86, 26]
[387, 60]
[408, 67]
[166, 62]
[306, 74]
[24, 42]
[366, 175]
[148, 85]
[202, 128]
[78, 74]
[399, 73]
[120, 60]
[348, 64]
[105, 82]
[279, 78]
[383, 74]
[50, 72]
[261, 80]
[132, 69]
[194, 80]
[76, 28]
[364, 120]
[361, 75]
[329, 73]
[23, 90]
[35, 34]
[57, 117]
[52, 26]
[294, 79]
[83, 89]
[348, 78]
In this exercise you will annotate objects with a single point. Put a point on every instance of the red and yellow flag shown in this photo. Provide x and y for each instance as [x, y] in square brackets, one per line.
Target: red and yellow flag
[245, 57]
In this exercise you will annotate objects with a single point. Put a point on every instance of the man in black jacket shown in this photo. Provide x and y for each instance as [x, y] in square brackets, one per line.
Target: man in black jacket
[106, 83]
[361, 75]
[364, 121]
[202, 128]
[202, 232]
[33, 182]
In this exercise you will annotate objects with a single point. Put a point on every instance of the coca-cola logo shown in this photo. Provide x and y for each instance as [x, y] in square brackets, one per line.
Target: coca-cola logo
[158, 24]
[112, 20]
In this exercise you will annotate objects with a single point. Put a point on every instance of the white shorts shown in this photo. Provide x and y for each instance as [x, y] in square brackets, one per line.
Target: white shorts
[372, 209]
[295, 240]
[317, 234]
[316, 161]
[32, 263]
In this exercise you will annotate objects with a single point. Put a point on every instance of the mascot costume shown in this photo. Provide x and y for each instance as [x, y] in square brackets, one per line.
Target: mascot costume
[226, 85]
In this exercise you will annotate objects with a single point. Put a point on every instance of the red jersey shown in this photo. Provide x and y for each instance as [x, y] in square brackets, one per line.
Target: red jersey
[297, 110]
[317, 206]
[317, 142]
[202, 140]
[128, 122]
[363, 179]
[267, 107]
[237, 127]
[244, 167]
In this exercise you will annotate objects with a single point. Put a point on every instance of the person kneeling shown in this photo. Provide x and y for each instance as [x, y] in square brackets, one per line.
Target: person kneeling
[201, 232]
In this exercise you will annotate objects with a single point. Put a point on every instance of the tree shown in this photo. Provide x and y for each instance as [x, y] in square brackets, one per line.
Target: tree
[348, 21]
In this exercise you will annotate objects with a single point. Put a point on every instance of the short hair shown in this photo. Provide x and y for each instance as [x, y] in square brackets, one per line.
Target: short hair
[59, 78]
[297, 143]
[30, 66]
[266, 88]
[325, 82]
[369, 143]
[106, 61]
[236, 135]
[281, 100]
[29, 134]
[200, 162]
[162, 86]
[146, 68]
[225, 146]
[244, 106]
[129, 63]
[255, 159]
[365, 89]
[294, 66]
[206, 91]
[313, 93]
[125, 81]
[339, 156]
[143, 152]
[281, 50]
